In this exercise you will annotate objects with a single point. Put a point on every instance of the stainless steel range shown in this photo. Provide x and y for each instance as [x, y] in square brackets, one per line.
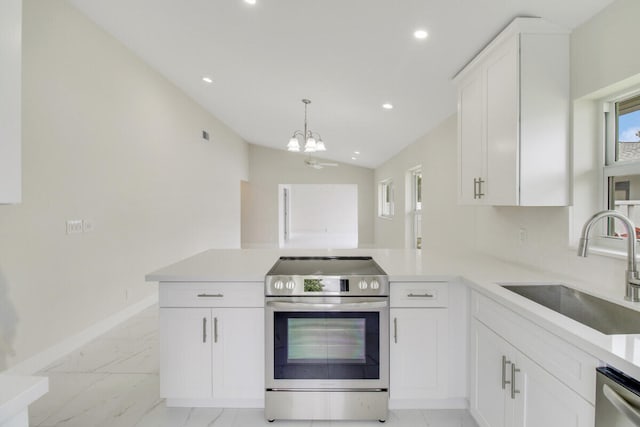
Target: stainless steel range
[327, 339]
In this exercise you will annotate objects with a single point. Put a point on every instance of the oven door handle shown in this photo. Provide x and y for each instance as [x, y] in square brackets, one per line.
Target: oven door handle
[324, 306]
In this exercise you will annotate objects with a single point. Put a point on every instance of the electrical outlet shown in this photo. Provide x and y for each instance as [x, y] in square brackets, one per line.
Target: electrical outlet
[87, 225]
[522, 236]
[74, 226]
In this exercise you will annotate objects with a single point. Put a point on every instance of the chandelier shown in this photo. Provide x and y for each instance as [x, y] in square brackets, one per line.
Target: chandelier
[312, 140]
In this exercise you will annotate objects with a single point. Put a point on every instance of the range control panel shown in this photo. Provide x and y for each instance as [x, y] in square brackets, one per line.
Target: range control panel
[327, 285]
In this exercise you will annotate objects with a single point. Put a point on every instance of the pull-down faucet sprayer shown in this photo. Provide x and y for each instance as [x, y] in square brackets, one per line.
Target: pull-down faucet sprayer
[632, 292]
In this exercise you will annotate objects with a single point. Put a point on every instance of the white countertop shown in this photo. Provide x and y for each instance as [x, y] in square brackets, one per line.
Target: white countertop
[480, 273]
[251, 265]
[17, 392]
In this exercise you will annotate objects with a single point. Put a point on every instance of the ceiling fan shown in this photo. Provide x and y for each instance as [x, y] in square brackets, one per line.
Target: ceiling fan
[313, 163]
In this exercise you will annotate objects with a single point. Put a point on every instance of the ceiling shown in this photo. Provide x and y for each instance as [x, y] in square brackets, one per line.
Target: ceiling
[347, 56]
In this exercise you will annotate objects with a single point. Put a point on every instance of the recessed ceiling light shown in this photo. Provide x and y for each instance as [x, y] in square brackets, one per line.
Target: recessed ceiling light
[420, 34]
[353, 158]
[387, 106]
[207, 79]
[356, 152]
[251, 2]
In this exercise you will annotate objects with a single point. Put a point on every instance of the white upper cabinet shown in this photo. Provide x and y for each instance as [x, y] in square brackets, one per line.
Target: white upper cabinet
[10, 97]
[513, 119]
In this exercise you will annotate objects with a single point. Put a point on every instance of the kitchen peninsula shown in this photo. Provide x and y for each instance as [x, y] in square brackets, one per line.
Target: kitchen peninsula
[222, 291]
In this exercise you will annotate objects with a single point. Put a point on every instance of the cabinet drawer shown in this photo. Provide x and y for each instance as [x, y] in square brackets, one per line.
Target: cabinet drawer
[212, 294]
[567, 363]
[419, 294]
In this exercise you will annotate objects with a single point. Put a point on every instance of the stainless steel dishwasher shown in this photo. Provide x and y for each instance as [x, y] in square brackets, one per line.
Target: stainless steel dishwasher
[617, 399]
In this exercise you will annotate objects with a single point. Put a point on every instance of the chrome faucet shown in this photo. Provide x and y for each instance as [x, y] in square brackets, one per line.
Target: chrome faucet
[632, 292]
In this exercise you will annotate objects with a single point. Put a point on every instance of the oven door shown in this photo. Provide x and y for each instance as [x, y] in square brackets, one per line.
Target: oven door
[329, 343]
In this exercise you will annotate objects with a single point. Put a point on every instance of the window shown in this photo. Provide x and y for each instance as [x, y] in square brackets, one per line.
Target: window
[627, 130]
[414, 217]
[622, 161]
[385, 199]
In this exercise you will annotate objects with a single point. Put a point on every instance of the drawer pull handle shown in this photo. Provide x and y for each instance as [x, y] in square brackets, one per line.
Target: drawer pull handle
[425, 295]
[210, 296]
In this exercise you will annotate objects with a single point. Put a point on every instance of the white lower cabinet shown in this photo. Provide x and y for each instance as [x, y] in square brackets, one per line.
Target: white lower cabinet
[418, 353]
[238, 354]
[428, 329]
[211, 356]
[185, 353]
[508, 389]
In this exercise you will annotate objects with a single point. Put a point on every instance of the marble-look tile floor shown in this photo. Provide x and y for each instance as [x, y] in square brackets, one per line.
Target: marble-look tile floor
[113, 382]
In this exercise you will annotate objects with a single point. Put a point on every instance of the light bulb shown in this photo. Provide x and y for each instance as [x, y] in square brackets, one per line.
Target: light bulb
[293, 144]
[320, 146]
[420, 34]
[310, 146]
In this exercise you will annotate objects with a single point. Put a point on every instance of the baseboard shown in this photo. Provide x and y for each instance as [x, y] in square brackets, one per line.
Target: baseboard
[451, 403]
[45, 358]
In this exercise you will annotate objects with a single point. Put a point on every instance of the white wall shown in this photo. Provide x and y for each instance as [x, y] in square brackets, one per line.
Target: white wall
[445, 225]
[600, 59]
[270, 168]
[105, 138]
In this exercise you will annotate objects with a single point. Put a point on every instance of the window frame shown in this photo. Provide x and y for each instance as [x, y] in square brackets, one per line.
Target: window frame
[414, 209]
[613, 168]
[386, 199]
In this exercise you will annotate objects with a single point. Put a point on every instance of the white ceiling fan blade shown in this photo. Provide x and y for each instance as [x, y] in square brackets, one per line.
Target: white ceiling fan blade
[317, 165]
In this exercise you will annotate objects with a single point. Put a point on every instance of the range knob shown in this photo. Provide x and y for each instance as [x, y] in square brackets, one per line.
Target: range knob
[375, 284]
[362, 284]
[291, 284]
[278, 284]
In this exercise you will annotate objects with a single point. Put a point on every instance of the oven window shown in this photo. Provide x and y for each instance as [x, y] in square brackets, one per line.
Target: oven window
[325, 340]
[326, 345]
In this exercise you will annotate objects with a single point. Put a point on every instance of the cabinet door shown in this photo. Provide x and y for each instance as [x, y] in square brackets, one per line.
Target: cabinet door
[545, 401]
[10, 100]
[419, 340]
[470, 139]
[185, 353]
[487, 394]
[503, 118]
[238, 353]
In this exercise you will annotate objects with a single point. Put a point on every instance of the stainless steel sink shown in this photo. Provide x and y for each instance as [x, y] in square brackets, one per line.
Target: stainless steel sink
[604, 316]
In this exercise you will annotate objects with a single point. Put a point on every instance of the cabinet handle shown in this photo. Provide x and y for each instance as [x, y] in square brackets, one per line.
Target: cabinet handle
[210, 296]
[480, 193]
[425, 295]
[505, 362]
[475, 188]
[513, 380]
[395, 330]
[215, 329]
[204, 329]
